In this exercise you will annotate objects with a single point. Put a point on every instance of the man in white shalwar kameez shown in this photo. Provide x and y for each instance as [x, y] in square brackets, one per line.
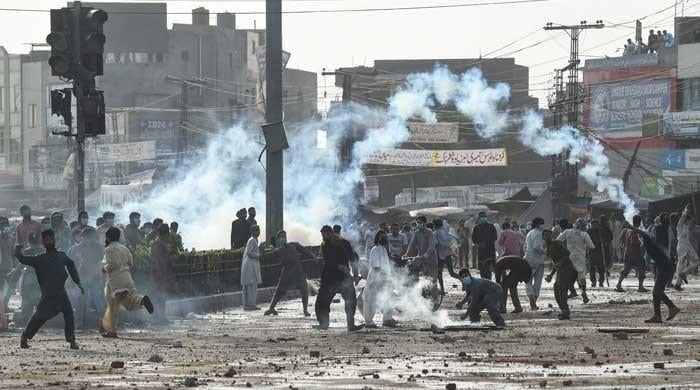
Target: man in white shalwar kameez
[578, 242]
[378, 290]
[687, 256]
[250, 270]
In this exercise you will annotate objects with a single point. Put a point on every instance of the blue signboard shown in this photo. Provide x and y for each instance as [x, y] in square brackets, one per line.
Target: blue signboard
[673, 160]
[619, 109]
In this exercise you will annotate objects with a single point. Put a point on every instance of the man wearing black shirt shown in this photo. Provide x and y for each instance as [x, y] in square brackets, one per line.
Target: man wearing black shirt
[484, 237]
[335, 278]
[240, 230]
[518, 271]
[51, 273]
[664, 273]
[292, 275]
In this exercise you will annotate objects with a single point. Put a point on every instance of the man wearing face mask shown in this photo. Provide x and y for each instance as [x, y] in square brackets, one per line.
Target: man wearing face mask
[27, 226]
[335, 278]
[50, 267]
[132, 234]
[83, 222]
[481, 294]
[534, 254]
[250, 270]
[62, 232]
[120, 290]
[484, 237]
[108, 223]
[289, 254]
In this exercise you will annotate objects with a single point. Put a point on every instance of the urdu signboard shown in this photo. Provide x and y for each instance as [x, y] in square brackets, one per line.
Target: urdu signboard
[440, 158]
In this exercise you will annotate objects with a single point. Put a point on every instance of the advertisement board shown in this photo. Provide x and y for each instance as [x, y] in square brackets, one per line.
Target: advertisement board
[440, 158]
[436, 133]
[621, 109]
[684, 124]
[681, 162]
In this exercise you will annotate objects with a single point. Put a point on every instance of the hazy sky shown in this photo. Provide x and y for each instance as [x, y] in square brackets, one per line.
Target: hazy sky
[331, 40]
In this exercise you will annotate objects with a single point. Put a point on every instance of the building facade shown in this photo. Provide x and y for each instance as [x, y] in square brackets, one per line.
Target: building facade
[167, 91]
[374, 85]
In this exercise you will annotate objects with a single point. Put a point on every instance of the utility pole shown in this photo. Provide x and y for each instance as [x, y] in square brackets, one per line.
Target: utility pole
[273, 130]
[567, 100]
[183, 122]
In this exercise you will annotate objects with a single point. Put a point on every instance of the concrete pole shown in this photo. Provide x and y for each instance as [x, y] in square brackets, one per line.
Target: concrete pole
[274, 212]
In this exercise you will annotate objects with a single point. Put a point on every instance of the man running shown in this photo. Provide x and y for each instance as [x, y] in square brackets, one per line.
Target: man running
[664, 272]
[565, 271]
[335, 278]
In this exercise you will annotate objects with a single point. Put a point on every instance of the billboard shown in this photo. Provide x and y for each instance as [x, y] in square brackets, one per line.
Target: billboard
[436, 133]
[440, 158]
[684, 124]
[621, 110]
[681, 162]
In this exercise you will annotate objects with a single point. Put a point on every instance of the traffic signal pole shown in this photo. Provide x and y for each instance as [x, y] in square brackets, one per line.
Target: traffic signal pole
[78, 93]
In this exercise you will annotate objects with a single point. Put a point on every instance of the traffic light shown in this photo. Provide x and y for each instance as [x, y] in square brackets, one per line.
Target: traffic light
[61, 60]
[92, 40]
[61, 104]
[93, 112]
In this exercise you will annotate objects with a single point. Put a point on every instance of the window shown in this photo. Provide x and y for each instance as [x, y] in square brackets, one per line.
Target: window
[32, 116]
[185, 55]
[110, 58]
[252, 43]
[141, 58]
[159, 58]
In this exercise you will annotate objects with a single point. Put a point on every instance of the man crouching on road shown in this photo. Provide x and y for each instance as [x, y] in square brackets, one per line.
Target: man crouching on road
[481, 294]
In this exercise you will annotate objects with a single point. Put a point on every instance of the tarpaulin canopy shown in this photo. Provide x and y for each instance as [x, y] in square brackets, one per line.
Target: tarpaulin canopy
[542, 207]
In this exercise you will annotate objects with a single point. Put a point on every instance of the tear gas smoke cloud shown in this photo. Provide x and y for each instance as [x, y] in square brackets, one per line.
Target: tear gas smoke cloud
[227, 176]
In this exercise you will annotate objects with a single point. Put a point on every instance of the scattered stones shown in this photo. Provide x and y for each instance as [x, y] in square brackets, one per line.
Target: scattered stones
[191, 381]
[668, 352]
[117, 364]
[451, 386]
[231, 372]
[155, 358]
[462, 354]
[659, 366]
[177, 344]
[315, 354]
[588, 350]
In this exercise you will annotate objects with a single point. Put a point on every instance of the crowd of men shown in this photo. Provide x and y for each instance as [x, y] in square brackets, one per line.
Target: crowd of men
[36, 259]
[655, 42]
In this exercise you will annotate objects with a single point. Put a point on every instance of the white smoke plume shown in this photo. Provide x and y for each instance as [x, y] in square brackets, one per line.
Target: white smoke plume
[227, 176]
[582, 149]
